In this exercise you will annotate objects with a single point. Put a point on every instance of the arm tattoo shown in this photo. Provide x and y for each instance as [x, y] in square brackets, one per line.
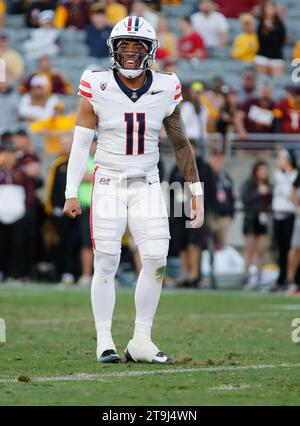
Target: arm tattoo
[185, 157]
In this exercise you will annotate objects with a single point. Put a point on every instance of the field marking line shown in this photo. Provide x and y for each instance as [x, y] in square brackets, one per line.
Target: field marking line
[282, 307]
[100, 377]
[233, 387]
[66, 320]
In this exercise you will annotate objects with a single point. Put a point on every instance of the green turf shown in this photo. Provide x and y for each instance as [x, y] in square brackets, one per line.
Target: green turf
[50, 333]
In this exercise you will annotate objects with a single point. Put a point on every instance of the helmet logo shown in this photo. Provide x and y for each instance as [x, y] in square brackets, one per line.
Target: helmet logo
[133, 24]
[103, 86]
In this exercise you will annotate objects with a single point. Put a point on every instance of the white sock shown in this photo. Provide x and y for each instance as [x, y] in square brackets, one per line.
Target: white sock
[104, 338]
[103, 297]
[147, 294]
[142, 331]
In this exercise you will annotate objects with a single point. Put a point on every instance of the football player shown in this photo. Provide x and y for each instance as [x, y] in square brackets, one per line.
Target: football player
[127, 105]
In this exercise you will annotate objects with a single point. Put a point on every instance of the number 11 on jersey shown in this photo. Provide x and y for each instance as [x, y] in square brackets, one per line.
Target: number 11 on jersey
[130, 127]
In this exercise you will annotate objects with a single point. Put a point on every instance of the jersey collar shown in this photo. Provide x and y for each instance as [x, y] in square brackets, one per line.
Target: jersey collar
[134, 95]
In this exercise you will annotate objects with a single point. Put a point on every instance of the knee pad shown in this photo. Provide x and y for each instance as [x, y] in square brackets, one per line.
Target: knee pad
[108, 247]
[154, 249]
[105, 265]
[154, 256]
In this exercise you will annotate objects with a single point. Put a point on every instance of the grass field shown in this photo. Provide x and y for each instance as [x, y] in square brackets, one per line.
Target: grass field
[229, 348]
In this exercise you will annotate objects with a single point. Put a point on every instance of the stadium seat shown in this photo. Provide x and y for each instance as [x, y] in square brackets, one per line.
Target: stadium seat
[15, 21]
[185, 9]
[73, 48]
[72, 35]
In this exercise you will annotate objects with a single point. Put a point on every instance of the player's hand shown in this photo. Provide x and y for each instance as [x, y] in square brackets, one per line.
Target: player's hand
[72, 208]
[197, 211]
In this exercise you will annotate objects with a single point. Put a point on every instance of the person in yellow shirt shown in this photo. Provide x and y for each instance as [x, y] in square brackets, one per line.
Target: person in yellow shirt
[245, 45]
[13, 62]
[167, 40]
[114, 11]
[53, 128]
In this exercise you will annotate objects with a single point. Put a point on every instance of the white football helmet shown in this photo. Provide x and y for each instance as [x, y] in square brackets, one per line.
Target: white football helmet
[137, 28]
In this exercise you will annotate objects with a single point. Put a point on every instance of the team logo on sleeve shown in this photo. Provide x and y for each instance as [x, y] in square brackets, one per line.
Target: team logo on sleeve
[103, 86]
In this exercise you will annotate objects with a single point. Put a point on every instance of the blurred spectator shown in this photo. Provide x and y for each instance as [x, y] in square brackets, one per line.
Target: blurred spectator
[166, 38]
[34, 8]
[140, 9]
[256, 115]
[64, 259]
[115, 11]
[227, 112]
[249, 85]
[271, 36]
[43, 40]
[14, 66]
[256, 194]
[185, 241]
[194, 116]
[30, 164]
[72, 14]
[8, 79]
[294, 254]
[220, 218]
[191, 44]
[2, 13]
[233, 9]
[13, 182]
[206, 97]
[53, 128]
[245, 45]
[84, 197]
[283, 209]
[57, 81]
[97, 32]
[169, 65]
[287, 111]
[213, 97]
[37, 104]
[211, 25]
[155, 4]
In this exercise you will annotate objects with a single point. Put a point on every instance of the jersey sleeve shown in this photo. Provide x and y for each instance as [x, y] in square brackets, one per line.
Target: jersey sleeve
[175, 94]
[85, 86]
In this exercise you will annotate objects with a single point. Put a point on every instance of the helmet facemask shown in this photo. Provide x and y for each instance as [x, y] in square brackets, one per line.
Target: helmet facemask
[144, 60]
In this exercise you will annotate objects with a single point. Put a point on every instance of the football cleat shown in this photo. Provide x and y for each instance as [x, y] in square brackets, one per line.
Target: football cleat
[145, 352]
[109, 356]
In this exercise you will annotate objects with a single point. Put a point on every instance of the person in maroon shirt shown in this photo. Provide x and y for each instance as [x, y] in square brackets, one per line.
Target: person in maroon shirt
[13, 182]
[256, 115]
[29, 162]
[191, 44]
[57, 81]
[287, 111]
[233, 9]
[77, 13]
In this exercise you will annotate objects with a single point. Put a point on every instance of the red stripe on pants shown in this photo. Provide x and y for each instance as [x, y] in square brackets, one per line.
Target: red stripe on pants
[91, 210]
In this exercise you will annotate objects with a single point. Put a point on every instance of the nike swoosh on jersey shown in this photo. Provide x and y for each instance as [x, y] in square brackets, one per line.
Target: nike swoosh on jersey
[155, 92]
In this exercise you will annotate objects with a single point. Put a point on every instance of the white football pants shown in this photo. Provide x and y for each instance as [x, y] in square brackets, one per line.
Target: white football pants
[118, 201]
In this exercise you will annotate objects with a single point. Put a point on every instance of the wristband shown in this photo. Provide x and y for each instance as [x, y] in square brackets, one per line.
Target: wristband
[196, 188]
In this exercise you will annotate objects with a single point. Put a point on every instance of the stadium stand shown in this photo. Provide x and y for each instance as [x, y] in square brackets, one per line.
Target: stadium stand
[73, 59]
